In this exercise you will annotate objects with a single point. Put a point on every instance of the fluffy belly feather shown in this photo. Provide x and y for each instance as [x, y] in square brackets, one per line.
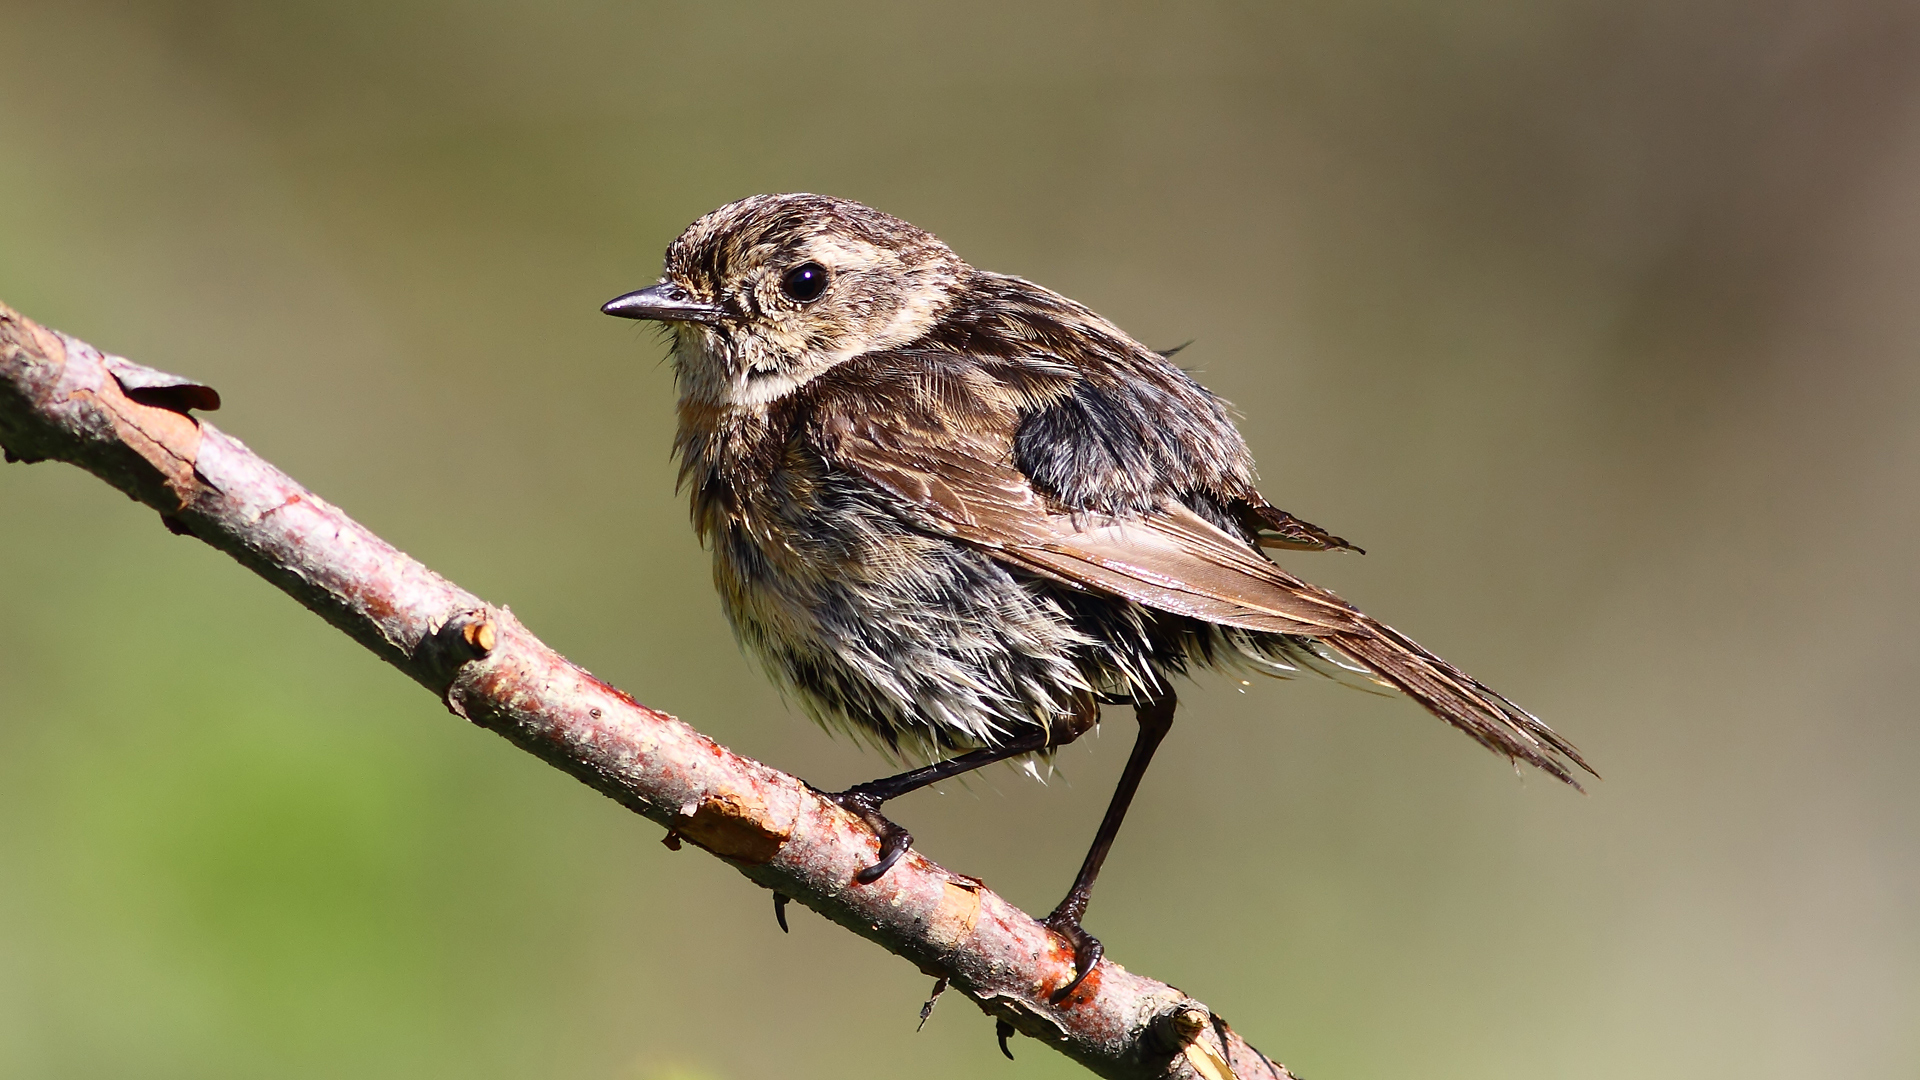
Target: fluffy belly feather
[916, 643]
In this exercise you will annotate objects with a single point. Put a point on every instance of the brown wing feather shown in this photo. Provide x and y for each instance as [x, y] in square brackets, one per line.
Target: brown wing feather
[1176, 561]
[1169, 560]
[1172, 561]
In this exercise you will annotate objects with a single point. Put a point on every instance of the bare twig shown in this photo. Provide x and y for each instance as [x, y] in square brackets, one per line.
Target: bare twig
[60, 399]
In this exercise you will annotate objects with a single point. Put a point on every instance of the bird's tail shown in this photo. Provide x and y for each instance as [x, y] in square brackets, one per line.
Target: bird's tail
[1459, 699]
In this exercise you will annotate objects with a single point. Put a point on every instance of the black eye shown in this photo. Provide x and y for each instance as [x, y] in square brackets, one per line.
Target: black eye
[805, 282]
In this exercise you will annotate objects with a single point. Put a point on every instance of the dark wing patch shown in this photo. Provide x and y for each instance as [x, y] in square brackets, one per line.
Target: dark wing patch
[1126, 448]
[1129, 432]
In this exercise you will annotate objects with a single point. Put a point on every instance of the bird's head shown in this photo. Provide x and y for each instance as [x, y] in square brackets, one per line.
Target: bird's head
[765, 294]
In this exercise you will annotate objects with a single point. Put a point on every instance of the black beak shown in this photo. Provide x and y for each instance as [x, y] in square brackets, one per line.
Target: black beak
[665, 302]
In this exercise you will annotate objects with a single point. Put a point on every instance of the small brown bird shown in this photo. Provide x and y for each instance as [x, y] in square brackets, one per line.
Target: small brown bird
[954, 512]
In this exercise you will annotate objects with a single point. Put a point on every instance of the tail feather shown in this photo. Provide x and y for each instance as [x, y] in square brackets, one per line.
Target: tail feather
[1460, 699]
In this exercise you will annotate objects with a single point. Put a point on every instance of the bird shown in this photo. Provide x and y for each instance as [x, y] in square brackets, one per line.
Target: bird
[954, 512]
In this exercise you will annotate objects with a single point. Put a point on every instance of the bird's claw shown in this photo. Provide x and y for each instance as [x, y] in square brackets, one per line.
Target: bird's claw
[1087, 950]
[894, 840]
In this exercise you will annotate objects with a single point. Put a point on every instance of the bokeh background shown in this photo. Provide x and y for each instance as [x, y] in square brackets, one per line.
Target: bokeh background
[1595, 322]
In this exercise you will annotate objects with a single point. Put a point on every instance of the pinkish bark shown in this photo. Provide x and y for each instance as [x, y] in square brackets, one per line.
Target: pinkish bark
[61, 399]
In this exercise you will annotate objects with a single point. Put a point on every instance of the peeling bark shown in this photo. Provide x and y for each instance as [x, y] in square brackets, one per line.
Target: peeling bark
[61, 399]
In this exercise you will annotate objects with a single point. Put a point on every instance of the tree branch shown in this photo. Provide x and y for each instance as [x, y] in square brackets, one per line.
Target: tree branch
[61, 399]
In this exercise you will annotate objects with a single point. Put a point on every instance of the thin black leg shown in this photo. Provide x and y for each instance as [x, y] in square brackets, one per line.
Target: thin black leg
[892, 787]
[864, 800]
[1156, 718]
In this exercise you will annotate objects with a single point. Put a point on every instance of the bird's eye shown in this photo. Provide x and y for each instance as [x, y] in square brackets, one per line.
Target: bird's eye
[805, 283]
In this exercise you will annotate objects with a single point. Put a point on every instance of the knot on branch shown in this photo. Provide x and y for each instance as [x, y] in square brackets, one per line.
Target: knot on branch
[462, 639]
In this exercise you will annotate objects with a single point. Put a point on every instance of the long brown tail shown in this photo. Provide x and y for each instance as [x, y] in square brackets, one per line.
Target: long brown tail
[1460, 699]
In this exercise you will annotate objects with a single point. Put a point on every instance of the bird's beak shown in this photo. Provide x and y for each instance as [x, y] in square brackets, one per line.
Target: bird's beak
[665, 302]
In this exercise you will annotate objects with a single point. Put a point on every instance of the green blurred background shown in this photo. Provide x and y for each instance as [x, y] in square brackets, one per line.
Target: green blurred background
[1594, 322]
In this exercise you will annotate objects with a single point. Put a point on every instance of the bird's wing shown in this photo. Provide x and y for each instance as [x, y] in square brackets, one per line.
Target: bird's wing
[1174, 560]
[944, 446]
[1170, 559]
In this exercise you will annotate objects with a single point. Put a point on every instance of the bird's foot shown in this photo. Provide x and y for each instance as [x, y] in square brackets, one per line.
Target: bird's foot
[1087, 949]
[894, 840]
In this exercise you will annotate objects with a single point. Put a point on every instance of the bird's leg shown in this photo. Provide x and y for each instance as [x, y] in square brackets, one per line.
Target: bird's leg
[864, 799]
[1156, 718]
